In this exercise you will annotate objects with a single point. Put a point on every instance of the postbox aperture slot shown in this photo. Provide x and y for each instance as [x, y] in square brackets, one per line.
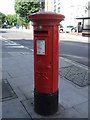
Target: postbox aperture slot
[40, 47]
[41, 32]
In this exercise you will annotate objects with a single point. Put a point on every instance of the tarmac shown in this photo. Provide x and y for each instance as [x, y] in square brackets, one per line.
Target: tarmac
[18, 87]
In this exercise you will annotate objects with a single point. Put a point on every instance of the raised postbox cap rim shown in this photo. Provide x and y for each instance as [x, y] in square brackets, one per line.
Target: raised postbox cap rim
[45, 16]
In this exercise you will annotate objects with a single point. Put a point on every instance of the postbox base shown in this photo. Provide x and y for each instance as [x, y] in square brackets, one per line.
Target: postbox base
[45, 104]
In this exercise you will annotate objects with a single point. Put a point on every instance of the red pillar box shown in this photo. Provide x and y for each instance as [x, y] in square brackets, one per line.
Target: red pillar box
[46, 59]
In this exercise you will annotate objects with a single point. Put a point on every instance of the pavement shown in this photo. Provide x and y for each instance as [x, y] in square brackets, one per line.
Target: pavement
[62, 36]
[17, 84]
[75, 38]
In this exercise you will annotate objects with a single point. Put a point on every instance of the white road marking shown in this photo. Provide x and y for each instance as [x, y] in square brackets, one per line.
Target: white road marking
[11, 44]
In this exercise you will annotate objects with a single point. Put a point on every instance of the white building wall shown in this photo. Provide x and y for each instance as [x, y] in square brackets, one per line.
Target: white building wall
[56, 6]
[70, 8]
[48, 5]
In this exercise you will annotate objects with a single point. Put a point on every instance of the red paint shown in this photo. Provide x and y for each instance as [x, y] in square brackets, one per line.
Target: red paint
[46, 27]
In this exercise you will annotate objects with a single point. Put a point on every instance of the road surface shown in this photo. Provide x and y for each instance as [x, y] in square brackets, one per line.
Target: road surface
[14, 41]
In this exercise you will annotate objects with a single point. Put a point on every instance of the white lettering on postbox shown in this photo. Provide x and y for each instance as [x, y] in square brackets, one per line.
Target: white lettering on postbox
[40, 47]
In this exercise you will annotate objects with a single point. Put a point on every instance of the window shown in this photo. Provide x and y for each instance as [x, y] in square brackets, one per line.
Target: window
[55, 8]
[54, 1]
[86, 24]
[58, 4]
[58, 9]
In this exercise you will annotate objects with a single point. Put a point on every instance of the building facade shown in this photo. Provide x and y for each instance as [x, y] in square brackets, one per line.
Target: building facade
[56, 6]
[69, 8]
[52, 5]
[48, 6]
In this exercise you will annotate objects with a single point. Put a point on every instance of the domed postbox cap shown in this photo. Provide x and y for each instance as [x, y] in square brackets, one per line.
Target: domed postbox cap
[44, 17]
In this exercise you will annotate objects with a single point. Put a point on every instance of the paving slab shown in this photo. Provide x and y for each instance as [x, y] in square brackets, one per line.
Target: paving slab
[29, 105]
[25, 92]
[17, 56]
[18, 72]
[82, 109]
[64, 85]
[84, 92]
[70, 95]
[21, 81]
[5, 75]
[63, 62]
[70, 113]
[61, 113]
[13, 109]
[20, 68]
[7, 91]
[68, 98]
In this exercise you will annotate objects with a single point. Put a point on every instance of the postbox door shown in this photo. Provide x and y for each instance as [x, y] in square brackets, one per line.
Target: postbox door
[43, 63]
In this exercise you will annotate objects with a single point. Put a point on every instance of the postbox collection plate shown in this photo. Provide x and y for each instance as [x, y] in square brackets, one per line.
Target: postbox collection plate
[40, 47]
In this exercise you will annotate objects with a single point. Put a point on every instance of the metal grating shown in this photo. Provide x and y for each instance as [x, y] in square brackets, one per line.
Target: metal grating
[77, 75]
